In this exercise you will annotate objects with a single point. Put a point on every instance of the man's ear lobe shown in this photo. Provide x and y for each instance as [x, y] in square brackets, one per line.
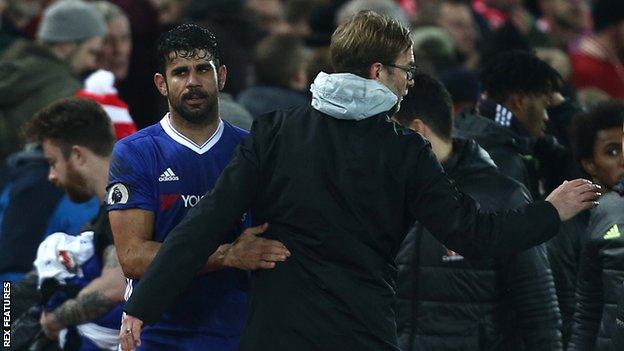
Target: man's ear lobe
[161, 84]
[373, 70]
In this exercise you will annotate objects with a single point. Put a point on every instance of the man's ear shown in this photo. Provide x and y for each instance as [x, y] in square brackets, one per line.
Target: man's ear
[515, 101]
[374, 70]
[221, 76]
[78, 155]
[419, 126]
[161, 84]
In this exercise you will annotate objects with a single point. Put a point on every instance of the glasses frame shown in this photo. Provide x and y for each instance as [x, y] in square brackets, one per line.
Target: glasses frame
[410, 71]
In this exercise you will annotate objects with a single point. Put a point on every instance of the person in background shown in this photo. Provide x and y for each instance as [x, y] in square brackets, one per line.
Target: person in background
[447, 301]
[69, 39]
[280, 63]
[77, 140]
[114, 56]
[600, 272]
[597, 59]
[597, 136]
[517, 89]
[564, 21]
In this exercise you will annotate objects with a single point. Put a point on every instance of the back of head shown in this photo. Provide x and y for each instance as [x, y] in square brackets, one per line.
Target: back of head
[278, 58]
[74, 121]
[606, 13]
[518, 72]
[430, 102]
[187, 41]
[70, 21]
[383, 7]
[365, 39]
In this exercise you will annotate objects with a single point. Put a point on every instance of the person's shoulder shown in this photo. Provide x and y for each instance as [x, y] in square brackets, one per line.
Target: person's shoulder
[139, 142]
[234, 131]
[609, 212]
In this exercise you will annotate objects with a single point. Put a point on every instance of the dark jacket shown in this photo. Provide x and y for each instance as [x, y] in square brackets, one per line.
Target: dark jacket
[600, 278]
[512, 153]
[341, 195]
[32, 78]
[259, 100]
[564, 254]
[447, 302]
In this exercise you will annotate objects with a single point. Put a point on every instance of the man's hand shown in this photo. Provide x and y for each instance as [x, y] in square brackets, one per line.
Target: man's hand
[249, 251]
[574, 196]
[50, 325]
[130, 333]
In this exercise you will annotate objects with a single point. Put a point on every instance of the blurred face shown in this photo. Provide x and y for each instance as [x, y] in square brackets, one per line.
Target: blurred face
[84, 56]
[457, 20]
[607, 164]
[619, 41]
[395, 78]
[531, 112]
[64, 175]
[192, 87]
[116, 49]
[569, 14]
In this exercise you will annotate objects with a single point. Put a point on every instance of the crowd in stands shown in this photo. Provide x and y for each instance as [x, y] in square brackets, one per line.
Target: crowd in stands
[514, 96]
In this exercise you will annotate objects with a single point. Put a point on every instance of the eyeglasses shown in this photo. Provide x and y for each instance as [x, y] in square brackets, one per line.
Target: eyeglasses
[410, 70]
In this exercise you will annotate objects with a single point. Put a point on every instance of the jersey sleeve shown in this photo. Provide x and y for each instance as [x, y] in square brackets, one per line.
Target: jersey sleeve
[129, 183]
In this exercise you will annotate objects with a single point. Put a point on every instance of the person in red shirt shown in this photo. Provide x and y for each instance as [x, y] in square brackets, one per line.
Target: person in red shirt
[597, 60]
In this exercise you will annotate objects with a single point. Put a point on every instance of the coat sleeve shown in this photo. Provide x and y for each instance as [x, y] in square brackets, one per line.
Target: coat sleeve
[205, 227]
[589, 301]
[453, 218]
[531, 294]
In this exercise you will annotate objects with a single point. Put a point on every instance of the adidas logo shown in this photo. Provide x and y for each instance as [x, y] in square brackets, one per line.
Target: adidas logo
[168, 176]
[612, 233]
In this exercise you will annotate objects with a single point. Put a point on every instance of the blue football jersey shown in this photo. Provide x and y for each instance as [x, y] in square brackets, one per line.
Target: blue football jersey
[160, 170]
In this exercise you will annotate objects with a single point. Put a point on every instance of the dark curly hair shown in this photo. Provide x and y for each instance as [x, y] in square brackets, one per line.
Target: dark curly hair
[73, 121]
[518, 72]
[586, 125]
[187, 41]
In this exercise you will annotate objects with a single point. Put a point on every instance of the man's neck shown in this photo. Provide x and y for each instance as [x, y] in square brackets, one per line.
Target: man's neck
[441, 148]
[100, 177]
[198, 133]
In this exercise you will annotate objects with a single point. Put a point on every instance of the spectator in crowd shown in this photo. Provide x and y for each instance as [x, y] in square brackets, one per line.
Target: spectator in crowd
[456, 18]
[564, 21]
[517, 89]
[77, 140]
[160, 172]
[463, 85]
[117, 46]
[280, 63]
[597, 60]
[446, 301]
[68, 41]
[598, 148]
[383, 7]
[600, 274]
[340, 184]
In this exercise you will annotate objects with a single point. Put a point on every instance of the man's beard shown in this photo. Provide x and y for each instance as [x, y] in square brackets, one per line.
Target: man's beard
[200, 115]
[76, 186]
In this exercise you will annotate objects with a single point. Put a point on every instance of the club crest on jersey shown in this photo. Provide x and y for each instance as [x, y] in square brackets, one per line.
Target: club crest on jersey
[117, 194]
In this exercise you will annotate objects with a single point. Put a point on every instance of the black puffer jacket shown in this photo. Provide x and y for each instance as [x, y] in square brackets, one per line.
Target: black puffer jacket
[446, 302]
[512, 153]
[564, 254]
[600, 278]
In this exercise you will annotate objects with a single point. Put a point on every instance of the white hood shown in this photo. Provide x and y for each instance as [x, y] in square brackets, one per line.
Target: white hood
[351, 97]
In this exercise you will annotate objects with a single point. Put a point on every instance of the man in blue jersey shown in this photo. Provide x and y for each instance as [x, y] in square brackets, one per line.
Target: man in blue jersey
[160, 172]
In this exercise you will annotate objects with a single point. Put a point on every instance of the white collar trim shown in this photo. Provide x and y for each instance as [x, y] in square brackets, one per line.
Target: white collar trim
[183, 140]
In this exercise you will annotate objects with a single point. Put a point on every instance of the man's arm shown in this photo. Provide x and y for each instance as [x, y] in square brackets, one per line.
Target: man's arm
[453, 218]
[93, 301]
[133, 231]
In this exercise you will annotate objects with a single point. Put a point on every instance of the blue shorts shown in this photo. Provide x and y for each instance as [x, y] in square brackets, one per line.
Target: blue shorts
[171, 340]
